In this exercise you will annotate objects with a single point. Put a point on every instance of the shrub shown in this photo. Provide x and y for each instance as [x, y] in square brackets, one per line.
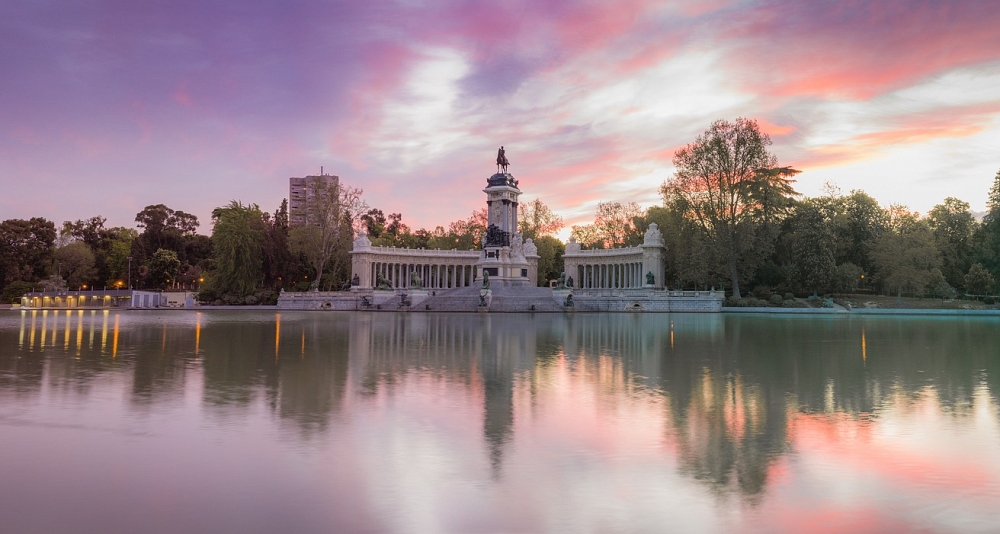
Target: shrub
[776, 300]
[232, 300]
[759, 303]
[742, 303]
[731, 302]
[267, 298]
[989, 300]
[761, 292]
[791, 303]
[14, 291]
[251, 300]
[789, 296]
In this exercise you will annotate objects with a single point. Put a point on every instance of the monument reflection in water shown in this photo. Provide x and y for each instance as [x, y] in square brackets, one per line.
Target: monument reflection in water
[160, 422]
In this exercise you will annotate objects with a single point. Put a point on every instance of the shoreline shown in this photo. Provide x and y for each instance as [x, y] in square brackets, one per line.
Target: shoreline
[729, 310]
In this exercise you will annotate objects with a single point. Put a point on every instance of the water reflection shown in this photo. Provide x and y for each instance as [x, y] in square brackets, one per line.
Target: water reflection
[770, 413]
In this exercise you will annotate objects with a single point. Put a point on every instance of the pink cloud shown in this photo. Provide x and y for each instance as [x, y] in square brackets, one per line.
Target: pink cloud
[857, 49]
[950, 122]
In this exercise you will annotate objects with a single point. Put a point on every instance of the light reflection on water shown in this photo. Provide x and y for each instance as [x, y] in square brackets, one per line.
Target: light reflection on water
[317, 422]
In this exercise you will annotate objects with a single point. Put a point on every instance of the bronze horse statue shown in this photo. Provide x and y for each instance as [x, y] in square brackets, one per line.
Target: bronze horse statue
[502, 161]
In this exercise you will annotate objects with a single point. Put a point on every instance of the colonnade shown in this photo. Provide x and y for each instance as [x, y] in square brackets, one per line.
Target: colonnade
[432, 275]
[602, 275]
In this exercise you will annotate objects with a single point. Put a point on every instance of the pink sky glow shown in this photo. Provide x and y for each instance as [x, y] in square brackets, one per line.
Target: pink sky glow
[109, 106]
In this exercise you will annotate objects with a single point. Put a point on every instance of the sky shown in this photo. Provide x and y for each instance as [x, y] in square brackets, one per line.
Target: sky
[109, 106]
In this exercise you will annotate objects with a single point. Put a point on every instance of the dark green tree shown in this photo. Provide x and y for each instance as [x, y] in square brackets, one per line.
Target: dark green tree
[75, 262]
[550, 258]
[164, 267]
[979, 281]
[953, 226]
[26, 249]
[905, 255]
[812, 246]
[987, 240]
[237, 238]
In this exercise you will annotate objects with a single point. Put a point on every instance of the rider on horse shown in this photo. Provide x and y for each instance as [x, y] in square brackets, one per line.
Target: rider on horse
[502, 161]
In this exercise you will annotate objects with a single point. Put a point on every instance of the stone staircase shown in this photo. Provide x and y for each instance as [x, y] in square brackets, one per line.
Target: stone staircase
[504, 299]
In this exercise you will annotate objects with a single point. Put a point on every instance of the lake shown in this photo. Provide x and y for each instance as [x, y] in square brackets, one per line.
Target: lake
[220, 421]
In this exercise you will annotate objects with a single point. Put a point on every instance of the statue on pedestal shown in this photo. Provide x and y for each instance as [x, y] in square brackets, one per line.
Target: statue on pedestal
[502, 161]
[650, 278]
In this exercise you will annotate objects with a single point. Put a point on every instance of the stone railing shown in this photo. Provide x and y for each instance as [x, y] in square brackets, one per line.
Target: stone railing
[604, 252]
[418, 252]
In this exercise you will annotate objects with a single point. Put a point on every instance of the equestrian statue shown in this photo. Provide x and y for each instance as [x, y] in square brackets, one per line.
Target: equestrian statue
[502, 161]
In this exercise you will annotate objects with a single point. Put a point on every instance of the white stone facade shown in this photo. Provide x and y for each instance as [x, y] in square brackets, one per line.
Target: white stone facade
[403, 268]
[509, 259]
[617, 268]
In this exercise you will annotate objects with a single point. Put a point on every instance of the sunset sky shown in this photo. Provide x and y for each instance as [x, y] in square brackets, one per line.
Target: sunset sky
[108, 106]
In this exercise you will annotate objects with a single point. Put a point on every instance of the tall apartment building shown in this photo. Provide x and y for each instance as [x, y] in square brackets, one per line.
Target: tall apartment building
[301, 191]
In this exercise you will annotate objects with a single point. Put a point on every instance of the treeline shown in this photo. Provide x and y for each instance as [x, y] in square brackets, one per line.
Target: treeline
[250, 256]
[730, 218]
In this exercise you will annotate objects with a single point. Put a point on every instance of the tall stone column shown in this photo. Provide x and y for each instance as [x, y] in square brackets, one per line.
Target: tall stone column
[652, 255]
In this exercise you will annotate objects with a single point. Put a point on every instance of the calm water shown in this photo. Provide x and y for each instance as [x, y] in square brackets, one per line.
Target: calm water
[327, 422]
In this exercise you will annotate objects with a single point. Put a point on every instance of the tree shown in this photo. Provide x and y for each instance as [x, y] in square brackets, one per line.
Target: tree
[164, 228]
[76, 264]
[14, 291]
[338, 211]
[237, 236]
[278, 261]
[550, 258]
[725, 181]
[858, 222]
[374, 222]
[119, 249]
[953, 226]
[812, 245]
[164, 267]
[847, 277]
[614, 222]
[535, 219]
[979, 281]
[25, 248]
[988, 237]
[588, 235]
[905, 256]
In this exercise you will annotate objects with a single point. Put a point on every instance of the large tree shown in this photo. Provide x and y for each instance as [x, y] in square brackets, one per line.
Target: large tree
[988, 236]
[75, 263]
[164, 267]
[906, 255]
[812, 246]
[25, 248]
[730, 184]
[237, 236]
[953, 226]
[336, 212]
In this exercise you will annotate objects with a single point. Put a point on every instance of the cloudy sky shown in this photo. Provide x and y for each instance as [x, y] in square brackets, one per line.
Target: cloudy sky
[108, 106]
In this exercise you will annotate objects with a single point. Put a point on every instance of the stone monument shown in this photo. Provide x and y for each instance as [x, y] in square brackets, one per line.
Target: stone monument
[506, 258]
